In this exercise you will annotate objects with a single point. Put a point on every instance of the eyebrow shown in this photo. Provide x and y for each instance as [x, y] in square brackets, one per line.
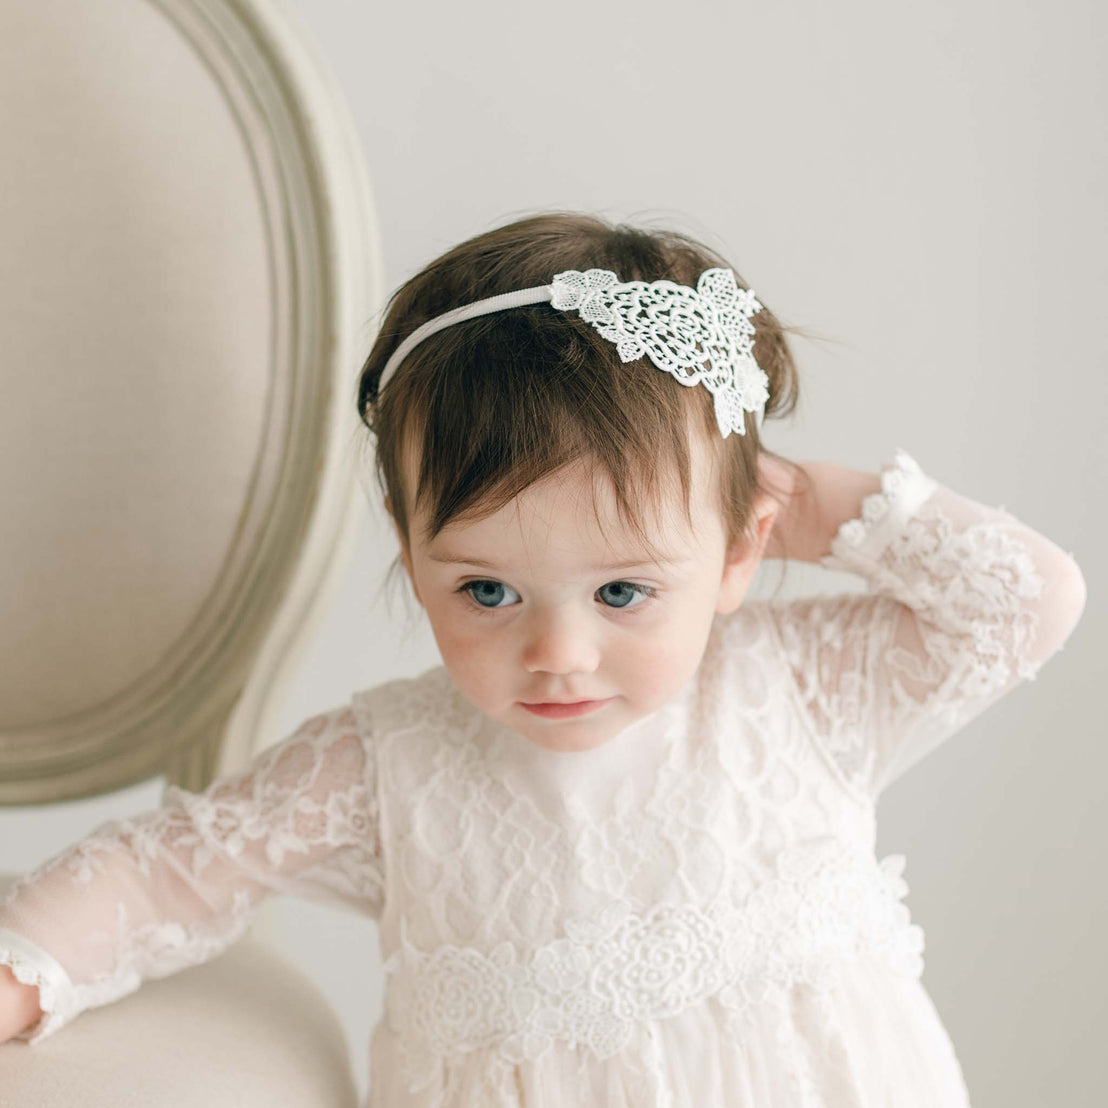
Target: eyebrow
[450, 559]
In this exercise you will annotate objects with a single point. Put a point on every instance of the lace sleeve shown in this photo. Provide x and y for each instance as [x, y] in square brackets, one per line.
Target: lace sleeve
[965, 603]
[170, 888]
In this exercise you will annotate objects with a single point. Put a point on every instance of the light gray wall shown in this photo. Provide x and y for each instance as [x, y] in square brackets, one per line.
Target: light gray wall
[922, 185]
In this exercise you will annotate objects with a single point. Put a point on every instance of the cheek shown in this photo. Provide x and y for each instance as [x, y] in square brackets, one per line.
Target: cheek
[656, 657]
[471, 653]
[675, 653]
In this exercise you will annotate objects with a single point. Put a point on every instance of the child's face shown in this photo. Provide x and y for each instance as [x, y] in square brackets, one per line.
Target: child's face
[552, 616]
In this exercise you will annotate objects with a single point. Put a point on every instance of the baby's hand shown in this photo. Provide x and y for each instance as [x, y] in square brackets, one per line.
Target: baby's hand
[821, 498]
[19, 1007]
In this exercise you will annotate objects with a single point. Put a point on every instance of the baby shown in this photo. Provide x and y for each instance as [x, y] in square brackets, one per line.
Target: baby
[620, 844]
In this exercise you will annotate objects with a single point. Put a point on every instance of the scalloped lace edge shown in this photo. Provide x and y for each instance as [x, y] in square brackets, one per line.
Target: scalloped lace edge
[53, 986]
[900, 478]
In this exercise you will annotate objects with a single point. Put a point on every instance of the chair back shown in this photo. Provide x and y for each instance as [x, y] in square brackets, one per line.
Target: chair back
[190, 280]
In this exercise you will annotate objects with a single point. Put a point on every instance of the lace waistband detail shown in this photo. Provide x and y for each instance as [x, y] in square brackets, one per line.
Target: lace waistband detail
[613, 971]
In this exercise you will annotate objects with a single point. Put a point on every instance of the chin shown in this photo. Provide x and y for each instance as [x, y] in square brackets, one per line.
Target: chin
[566, 742]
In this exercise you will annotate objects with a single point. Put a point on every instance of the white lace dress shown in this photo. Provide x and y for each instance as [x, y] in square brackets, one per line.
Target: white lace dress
[690, 915]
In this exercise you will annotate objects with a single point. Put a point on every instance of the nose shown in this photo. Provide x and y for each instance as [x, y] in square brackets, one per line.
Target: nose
[557, 641]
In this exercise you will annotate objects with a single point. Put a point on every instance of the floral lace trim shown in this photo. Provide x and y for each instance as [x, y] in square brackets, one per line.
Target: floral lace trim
[827, 903]
[904, 488]
[33, 966]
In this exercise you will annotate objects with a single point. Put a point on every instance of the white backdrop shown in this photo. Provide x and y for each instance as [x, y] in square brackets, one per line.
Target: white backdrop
[921, 185]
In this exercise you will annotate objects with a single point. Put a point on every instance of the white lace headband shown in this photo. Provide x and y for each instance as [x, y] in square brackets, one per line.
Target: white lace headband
[699, 336]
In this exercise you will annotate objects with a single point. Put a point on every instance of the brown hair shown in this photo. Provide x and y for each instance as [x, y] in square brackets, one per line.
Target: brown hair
[499, 402]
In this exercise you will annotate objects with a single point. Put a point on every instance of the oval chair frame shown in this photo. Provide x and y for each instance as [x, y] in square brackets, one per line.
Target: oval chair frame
[212, 700]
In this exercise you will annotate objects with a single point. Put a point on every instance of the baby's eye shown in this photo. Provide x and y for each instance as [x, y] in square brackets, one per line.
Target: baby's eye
[486, 590]
[616, 594]
[621, 594]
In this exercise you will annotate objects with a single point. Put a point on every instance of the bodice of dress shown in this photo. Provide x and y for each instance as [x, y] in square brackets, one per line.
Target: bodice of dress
[718, 853]
[538, 898]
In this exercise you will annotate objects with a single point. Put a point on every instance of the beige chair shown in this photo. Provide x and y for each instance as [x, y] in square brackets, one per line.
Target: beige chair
[190, 279]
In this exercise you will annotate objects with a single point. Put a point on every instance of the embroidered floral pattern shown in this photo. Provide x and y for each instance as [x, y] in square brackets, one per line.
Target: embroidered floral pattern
[610, 974]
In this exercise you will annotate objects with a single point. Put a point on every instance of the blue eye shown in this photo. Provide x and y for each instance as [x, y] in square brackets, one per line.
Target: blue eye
[489, 595]
[624, 591]
[486, 590]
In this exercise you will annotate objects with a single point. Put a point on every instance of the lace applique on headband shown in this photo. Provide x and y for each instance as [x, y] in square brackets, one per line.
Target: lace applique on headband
[700, 336]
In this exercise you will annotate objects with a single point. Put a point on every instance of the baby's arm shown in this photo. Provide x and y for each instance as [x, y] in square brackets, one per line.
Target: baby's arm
[965, 602]
[148, 896]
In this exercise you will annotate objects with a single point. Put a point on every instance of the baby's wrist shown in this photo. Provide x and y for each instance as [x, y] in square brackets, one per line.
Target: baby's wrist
[19, 1005]
[823, 498]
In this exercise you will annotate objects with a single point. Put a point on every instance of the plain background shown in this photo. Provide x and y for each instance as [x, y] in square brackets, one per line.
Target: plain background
[922, 186]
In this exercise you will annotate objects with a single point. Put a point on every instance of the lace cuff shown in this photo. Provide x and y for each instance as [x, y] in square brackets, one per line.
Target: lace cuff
[884, 515]
[34, 966]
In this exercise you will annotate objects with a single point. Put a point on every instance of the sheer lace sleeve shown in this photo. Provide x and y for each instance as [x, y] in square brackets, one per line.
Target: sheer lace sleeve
[965, 602]
[148, 896]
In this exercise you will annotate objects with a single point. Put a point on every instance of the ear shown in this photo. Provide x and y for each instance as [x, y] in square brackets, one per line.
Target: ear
[744, 557]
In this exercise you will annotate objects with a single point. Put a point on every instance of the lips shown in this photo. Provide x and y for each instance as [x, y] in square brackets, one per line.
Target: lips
[564, 709]
[573, 700]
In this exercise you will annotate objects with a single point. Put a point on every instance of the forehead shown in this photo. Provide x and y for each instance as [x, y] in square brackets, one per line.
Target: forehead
[576, 510]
